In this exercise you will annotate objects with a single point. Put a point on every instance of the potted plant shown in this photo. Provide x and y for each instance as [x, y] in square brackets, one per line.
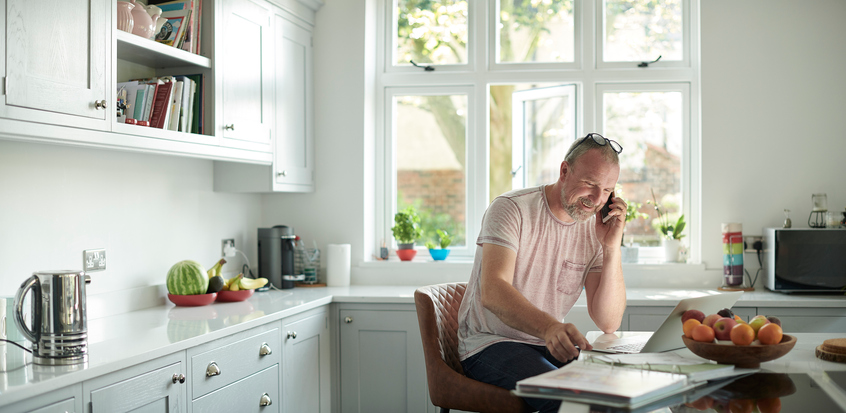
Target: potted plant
[406, 230]
[444, 239]
[671, 231]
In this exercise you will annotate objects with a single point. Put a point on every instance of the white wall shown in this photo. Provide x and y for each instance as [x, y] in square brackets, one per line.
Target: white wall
[773, 104]
[147, 211]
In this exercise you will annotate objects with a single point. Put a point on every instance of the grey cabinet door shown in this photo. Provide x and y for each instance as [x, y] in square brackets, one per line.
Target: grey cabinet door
[152, 387]
[382, 365]
[66, 399]
[306, 365]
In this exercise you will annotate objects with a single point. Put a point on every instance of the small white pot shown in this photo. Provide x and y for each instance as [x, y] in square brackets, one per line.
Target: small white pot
[671, 249]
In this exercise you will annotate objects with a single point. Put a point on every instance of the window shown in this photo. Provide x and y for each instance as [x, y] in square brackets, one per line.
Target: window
[498, 90]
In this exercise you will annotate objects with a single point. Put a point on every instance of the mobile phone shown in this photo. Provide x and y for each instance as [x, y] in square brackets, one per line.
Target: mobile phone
[606, 208]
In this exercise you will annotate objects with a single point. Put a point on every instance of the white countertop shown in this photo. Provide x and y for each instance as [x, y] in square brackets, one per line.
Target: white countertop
[123, 340]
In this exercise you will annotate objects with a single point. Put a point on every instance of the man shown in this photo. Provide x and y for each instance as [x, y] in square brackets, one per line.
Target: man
[537, 248]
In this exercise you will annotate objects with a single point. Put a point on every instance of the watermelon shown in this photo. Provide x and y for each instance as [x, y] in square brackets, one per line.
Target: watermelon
[187, 278]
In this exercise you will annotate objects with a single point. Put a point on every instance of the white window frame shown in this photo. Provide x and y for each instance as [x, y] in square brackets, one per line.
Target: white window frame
[690, 182]
[475, 79]
[493, 45]
[686, 43]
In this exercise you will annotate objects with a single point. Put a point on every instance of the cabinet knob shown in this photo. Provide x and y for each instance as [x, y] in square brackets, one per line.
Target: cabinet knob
[348, 319]
[212, 370]
[178, 378]
[292, 334]
[231, 126]
[265, 400]
[283, 173]
[100, 104]
[265, 350]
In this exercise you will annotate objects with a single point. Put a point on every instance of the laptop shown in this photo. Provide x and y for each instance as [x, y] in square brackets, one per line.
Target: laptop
[668, 335]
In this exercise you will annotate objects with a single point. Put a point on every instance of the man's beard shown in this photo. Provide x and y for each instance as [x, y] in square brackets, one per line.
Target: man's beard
[575, 209]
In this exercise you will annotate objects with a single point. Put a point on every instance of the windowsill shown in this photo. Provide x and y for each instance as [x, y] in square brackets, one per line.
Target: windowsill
[424, 271]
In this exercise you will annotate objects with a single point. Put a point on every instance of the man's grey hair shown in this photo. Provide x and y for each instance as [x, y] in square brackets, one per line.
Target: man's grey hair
[579, 148]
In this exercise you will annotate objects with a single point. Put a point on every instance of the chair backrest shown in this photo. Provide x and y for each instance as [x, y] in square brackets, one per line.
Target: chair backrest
[437, 316]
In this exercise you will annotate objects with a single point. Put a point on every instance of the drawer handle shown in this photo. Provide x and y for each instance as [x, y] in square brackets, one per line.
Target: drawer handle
[348, 319]
[283, 173]
[292, 334]
[265, 350]
[178, 378]
[212, 370]
[100, 104]
[265, 400]
[231, 126]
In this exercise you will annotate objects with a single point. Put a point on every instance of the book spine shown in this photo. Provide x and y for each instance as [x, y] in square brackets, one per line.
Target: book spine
[161, 105]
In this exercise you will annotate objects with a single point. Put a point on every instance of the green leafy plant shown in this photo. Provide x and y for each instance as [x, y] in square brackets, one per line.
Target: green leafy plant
[407, 228]
[444, 240]
[668, 229]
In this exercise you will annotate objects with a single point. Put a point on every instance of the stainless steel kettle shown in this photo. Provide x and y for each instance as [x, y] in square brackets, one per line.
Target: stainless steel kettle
[59, 324]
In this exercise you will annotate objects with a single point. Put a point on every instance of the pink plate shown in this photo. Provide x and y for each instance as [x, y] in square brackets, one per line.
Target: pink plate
[192, 300]
[230, 296]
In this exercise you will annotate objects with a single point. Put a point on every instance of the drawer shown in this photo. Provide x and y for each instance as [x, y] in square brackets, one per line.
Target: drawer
[244, 395]
[230, 361]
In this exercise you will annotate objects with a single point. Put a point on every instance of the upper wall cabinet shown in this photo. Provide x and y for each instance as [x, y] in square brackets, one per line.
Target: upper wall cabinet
[246, 61]
[56, 62]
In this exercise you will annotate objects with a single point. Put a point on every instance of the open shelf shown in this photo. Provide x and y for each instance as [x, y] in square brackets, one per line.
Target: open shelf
[152, 54]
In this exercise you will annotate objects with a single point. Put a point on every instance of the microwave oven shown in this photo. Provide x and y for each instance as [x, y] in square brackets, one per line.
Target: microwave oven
[804, 260]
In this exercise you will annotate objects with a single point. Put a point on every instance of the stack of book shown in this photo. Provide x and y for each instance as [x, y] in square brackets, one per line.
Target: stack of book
[167, 102]
[183, 25]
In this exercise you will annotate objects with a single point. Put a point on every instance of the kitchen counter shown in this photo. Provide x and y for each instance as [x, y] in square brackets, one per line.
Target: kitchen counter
[120, 341]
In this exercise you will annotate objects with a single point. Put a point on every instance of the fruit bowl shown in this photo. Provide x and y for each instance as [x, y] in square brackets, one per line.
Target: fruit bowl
[233, 296]
[750, 356]
[192, 300]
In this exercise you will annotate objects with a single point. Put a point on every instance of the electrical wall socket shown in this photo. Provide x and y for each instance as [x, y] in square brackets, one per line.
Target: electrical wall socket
[94, 260]
[224, 244]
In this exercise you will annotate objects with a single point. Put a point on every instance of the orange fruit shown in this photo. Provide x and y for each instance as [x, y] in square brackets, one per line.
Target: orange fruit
[688, 326]
[741, 405]
[770, 334]
[738, 319]
[702, 333]
[742, 334]
[772, 405]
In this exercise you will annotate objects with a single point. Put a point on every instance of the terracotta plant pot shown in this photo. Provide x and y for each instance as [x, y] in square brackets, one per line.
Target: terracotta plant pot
[406, 255]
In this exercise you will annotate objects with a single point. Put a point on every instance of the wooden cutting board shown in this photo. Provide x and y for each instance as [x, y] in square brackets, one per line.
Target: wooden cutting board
[832, 350]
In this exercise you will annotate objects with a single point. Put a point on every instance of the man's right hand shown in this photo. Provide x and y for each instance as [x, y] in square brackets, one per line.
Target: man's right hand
[561, 341]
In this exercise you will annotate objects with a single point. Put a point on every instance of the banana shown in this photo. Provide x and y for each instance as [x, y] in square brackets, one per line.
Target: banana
[235, 283]
[252, 284]
[215, 269]
[228, 283]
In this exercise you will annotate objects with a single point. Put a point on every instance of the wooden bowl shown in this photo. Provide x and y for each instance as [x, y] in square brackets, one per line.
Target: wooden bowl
[233, 296]
[192, 300]
[750, 356]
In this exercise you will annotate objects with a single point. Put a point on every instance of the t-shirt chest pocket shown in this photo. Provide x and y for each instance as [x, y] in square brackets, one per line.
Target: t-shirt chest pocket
[570, 278]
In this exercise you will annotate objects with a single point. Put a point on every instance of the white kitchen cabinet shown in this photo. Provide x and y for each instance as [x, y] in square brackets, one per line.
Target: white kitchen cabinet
[66, 399]
[808, 320]
[306, 363]
[216, 366]
[293, 151]
[382, 365]
[245, 65]
[154, 386]
[56, 62]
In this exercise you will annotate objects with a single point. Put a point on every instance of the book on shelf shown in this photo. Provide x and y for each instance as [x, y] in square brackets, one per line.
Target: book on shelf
[596, 383]
[166, 102]
[173, 30]
[185, 108]
[160, 115]
[191, 40]
[175, 105]
[195, 118]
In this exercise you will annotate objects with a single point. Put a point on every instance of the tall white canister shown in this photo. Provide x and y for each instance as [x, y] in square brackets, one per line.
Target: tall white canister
[338, 265]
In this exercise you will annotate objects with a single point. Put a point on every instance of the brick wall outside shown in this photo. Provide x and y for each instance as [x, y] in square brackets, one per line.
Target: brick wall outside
[440, 191]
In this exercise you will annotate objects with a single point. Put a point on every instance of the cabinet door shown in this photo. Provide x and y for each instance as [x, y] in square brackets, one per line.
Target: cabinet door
[67, 399]
[306, 373]
[294, 151]
[382, 366]
[152, 387]
[246, 61]
[55, 62]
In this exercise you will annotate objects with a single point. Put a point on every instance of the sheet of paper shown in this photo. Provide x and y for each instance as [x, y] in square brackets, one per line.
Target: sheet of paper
[643, 358]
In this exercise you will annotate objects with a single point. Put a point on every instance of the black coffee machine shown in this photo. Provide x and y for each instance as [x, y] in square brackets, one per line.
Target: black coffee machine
[276, 249]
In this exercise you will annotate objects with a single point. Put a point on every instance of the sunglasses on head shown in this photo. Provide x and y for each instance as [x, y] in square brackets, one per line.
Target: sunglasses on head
[601, 141]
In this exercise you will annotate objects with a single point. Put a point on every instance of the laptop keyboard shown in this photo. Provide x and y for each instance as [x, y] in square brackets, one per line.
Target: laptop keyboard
[628, 348]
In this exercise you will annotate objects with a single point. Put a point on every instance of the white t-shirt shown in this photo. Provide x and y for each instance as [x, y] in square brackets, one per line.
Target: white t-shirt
[553, 259]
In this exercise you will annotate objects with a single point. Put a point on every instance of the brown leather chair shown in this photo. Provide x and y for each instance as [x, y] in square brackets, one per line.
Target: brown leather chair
[449, 388]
